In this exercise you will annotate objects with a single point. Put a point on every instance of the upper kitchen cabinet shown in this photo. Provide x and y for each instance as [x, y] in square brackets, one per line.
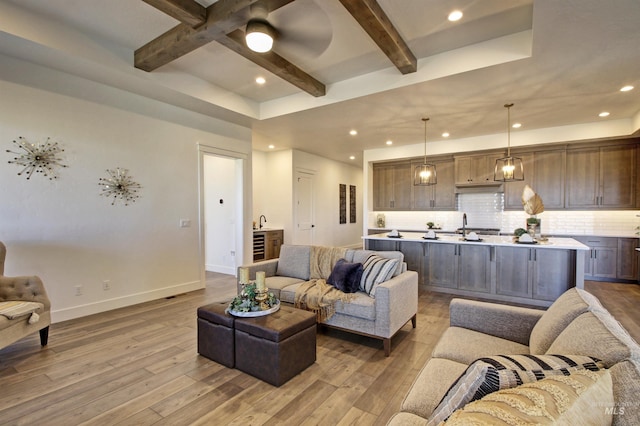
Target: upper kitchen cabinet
[476, 169]
[392, 183]
[544, 171]
[601, 177]
[440, 196]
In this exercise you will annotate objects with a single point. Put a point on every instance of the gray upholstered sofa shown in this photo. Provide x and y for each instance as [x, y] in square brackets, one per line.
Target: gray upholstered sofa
[395, 302]
[576, 324]
[24, 289]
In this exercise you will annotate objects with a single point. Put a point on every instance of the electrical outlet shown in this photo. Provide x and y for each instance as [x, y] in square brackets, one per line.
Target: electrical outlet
[78, 290]
[185, 223]
[106, 285]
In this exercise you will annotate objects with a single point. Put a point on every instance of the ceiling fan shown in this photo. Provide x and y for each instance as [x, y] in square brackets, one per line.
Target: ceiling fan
[301, 31]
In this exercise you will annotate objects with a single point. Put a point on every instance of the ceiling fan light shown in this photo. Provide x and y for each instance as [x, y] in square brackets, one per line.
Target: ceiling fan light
[259, 36]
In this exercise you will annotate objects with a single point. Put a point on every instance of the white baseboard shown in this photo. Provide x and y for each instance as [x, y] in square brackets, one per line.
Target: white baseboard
[229, 270]
[121, 302]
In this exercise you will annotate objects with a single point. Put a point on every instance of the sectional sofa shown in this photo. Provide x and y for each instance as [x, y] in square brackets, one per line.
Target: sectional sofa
[395, 302]
[575, 326]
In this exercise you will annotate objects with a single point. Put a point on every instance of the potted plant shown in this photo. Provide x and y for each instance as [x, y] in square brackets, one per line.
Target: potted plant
[430, 225]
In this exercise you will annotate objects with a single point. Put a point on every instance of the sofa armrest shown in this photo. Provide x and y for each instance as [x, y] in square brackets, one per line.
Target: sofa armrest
[508, 322]
[396, 303]
[28, 289]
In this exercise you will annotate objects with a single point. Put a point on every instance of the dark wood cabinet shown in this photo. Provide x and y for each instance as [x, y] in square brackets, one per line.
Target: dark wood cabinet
[465, 267]
[601, 262]
[601, 177]
[627, 259]
[436, 197]
[542, 274]
[392, 183]
[476, 169]
[544, 171]
[266, 244]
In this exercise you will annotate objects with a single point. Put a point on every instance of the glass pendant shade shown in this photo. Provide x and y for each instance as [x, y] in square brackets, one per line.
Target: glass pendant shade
[508, 169]
[259, 36]
[425, 174]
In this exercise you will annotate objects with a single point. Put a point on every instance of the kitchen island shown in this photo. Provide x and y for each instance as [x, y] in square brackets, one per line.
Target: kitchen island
[495, 267]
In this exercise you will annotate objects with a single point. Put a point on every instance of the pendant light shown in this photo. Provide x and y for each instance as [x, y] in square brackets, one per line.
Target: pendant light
[425, 174]
[508, 169]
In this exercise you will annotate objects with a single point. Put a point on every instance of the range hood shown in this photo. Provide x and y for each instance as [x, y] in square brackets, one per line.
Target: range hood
[483, 188]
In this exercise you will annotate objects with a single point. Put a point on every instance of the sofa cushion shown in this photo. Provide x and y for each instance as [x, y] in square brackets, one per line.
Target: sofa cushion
[276, 283]
[294, 261]
[360, 256]
[625, 376]
[491, 374]
[406, 419]
[465, 346]
[346, 276]
[360, 306]
[431, 385]
[565, 309]
[597, 334]
[577, 399]
[376, 270]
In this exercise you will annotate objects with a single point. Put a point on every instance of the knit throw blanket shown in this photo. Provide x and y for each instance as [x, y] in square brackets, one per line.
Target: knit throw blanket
[15, 309]
[316, 295]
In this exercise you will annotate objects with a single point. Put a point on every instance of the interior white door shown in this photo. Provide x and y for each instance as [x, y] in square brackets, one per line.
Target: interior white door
[305, 216]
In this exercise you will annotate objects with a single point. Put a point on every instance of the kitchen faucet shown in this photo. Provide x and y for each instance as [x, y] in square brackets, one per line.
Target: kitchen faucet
[265, 220]
[464, 225]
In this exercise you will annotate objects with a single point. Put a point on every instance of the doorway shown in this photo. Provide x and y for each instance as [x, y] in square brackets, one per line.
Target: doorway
[221, 207]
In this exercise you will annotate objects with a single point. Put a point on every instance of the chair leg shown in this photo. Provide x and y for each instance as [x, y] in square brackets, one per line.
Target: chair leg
[413, 320]
[44, 336]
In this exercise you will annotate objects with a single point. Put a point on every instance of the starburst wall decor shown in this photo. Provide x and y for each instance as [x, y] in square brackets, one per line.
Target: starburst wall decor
[37, 158]
[120, 186]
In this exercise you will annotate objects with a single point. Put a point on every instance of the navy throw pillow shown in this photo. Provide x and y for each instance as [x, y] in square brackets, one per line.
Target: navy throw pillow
[346, 276]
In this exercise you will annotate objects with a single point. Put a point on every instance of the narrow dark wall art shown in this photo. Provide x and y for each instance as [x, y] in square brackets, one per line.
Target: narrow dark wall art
[352, 204]
[343, 203]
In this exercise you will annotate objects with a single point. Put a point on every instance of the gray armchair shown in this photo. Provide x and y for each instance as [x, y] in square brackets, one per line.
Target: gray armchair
[26, 289]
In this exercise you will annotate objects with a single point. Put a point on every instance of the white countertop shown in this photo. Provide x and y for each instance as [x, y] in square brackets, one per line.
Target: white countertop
[493, 240]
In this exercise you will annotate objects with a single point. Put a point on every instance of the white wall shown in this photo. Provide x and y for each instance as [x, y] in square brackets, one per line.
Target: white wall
[66, 233]
[273, 177]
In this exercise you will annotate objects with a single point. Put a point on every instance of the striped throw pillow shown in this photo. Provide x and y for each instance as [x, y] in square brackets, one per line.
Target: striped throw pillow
[376, 270]
[491, 374]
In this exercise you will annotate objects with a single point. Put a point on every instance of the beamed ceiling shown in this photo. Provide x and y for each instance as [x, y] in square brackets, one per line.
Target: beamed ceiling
[336, 65]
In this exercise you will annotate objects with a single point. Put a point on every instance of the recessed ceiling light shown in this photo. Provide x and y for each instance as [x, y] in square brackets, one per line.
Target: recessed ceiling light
[603, 114]
[626, 88]
[517, 125]
[353, 132]
[260, 80]
[389, 142]
[445, 135]
[271, 146]
[352, 157]
[455, 16]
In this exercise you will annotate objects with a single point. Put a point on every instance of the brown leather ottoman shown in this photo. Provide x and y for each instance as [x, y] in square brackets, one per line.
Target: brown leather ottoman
[276, 347]
[215, 334]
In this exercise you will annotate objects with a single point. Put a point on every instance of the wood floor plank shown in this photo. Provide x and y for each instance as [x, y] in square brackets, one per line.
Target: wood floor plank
[139, 366]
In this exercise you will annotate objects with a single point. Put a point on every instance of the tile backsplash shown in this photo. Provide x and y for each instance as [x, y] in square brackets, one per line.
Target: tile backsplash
[486, 211]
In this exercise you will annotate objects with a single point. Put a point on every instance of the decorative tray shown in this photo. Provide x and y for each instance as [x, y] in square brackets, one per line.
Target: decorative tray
[526, 242]
[394, 236]
[430, 238]
[254, 313]
[473, 241]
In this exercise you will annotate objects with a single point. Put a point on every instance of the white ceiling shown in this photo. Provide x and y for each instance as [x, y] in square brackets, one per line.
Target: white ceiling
[560, 62]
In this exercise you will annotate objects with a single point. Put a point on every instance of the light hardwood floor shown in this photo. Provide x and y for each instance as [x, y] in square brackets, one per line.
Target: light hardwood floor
[138, 365]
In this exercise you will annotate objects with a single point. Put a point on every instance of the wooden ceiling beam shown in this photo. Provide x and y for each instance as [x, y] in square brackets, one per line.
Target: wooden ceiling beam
[188, 12]
[376, 23]
[223, 16]
[275, 64]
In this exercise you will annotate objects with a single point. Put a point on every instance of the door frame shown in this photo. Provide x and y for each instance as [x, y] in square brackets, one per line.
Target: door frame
[243, 203]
